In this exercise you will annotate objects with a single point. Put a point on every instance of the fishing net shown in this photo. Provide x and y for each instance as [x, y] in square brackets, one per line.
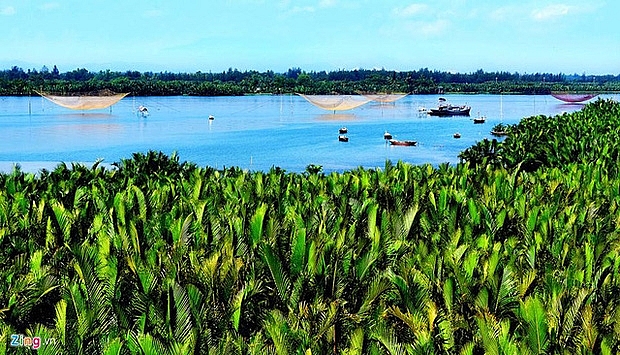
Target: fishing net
[568, 97]
[385, 98]
[336, 102]
[89, 101]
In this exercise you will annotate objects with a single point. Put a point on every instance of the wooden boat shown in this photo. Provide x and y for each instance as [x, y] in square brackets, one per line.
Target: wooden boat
[403, 143]
[499, 133]
[343, 130]
[343, 138]
[143, 111]
[387, 135]
[457, 135]
[500, 130]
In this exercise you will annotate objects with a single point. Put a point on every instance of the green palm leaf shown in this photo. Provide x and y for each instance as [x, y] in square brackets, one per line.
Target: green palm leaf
[256, 225]
[298, 255]
[280, 279]
[533, 313]
[183, 325]
[149, 345]
[113, 347]
[356, 345]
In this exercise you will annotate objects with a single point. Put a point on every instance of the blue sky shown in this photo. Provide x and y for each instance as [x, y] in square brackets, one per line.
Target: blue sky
[526, 36]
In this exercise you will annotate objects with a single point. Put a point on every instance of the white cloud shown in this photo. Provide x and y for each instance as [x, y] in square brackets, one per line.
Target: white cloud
[434, 28]
[426, 29]
[153, 13]
[503, 13]
[50, 6]
[7, 11]
[411, 10]
[327, 3]
[299, 9]
[552, 11]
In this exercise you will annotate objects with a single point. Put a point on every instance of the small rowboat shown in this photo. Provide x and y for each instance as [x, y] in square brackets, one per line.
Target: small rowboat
[403, 143]
[143, 111]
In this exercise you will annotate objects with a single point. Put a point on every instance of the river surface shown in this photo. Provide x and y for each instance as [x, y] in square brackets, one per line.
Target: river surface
[253, 132]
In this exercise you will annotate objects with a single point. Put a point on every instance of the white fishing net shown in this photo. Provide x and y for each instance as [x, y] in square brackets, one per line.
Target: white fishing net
[336, 102]
[91, 101]
[385, 98]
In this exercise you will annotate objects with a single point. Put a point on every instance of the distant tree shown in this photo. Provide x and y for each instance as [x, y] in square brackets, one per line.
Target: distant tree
[17, 73]
[304, 80]
[293, 73]
[55, 72]
[80, 74]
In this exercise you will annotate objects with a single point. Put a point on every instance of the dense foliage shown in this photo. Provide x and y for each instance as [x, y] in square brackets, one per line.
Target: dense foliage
[162, 257]
[588, 136]
[16, 81]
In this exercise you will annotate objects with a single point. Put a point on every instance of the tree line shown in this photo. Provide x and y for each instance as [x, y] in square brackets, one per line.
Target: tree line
[17, 81]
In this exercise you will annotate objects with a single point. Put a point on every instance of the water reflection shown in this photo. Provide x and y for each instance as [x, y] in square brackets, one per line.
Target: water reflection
[571, 105]
[89, 115]
[84, 128]
[336, 117]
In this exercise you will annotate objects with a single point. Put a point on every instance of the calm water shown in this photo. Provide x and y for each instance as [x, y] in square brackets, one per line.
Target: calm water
[253, 132]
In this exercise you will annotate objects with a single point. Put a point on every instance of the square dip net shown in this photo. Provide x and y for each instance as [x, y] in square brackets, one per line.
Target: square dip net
[336, 102]
[85, 101]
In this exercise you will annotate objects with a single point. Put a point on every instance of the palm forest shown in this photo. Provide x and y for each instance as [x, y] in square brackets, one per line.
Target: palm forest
[515, 250]
[232, 82]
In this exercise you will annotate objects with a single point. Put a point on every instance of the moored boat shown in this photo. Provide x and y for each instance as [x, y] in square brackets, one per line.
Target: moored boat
[450, 111]
[456, 135]
[343, 138]
[143, 111]
[444, 109]
[403, 143]
[387, 135]
[500, 130]
[343, 130]
[479, 120]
